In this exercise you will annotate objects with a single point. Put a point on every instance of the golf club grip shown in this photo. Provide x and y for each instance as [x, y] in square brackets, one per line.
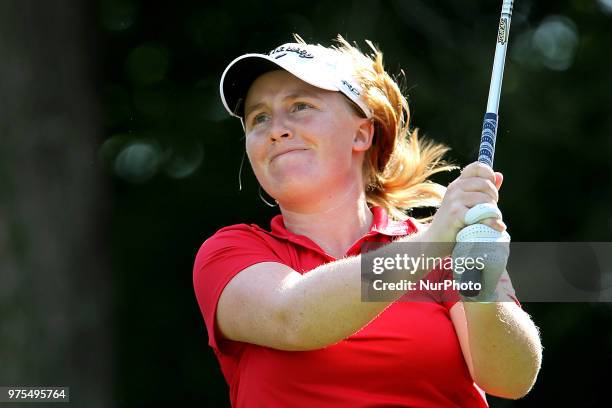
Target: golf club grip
[486, 153]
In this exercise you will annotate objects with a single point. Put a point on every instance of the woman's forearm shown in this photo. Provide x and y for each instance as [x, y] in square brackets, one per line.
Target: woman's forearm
[325, 306]
[505, 348]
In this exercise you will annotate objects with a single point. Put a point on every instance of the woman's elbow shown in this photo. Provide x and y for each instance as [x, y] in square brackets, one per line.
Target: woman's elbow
[515, 390]
[516, 385]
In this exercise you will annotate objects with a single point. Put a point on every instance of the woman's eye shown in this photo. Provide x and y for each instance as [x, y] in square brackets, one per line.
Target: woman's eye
[259, 118]
[301, 106]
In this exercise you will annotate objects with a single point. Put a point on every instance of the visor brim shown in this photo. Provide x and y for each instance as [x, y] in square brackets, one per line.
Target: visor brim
[238, 78]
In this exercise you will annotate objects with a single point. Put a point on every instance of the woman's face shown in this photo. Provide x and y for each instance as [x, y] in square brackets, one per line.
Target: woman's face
[304, 143]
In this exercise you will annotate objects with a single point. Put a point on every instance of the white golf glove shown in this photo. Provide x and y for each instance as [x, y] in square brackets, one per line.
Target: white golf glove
[479, 240]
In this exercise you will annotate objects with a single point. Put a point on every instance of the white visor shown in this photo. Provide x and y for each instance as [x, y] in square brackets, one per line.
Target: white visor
[316, 65]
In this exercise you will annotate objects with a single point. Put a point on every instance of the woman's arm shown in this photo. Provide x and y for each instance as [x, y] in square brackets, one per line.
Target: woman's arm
[272, 305]
[501, 345]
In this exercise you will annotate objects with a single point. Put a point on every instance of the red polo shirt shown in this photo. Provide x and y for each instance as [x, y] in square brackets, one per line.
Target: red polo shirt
[409, 356]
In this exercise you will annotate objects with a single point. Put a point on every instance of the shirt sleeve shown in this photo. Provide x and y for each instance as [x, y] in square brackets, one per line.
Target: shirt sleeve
[220, 258]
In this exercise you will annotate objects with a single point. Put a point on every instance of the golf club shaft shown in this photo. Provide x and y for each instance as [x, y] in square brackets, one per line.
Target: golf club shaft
[489, 127]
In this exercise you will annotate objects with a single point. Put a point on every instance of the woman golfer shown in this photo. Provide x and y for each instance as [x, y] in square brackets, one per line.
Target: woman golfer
[327, 136]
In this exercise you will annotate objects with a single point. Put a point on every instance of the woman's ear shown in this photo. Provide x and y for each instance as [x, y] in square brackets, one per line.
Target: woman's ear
[363, 135]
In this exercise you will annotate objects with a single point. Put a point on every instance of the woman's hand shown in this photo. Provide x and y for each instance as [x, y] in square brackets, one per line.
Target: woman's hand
[476, 184]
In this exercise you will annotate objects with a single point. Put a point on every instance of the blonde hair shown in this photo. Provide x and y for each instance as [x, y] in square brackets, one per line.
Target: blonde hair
[397, 168]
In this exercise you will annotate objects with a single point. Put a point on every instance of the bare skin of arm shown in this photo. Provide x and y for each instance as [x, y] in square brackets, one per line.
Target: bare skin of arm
[501, 346]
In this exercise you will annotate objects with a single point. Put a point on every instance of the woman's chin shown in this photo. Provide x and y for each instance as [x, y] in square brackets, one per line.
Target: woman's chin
[297, 190]
[291, 166]
[293, 174]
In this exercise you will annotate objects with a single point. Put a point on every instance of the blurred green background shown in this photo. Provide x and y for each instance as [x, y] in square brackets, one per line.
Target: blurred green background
[117, 161]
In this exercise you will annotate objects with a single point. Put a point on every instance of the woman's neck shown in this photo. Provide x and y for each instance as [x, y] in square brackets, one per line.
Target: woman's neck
[335, 225]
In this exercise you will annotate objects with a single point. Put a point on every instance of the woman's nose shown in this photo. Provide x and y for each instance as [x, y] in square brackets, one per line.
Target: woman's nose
[279, 130]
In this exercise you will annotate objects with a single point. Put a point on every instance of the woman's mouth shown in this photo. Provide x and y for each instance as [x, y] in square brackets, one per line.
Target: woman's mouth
[286, 151]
